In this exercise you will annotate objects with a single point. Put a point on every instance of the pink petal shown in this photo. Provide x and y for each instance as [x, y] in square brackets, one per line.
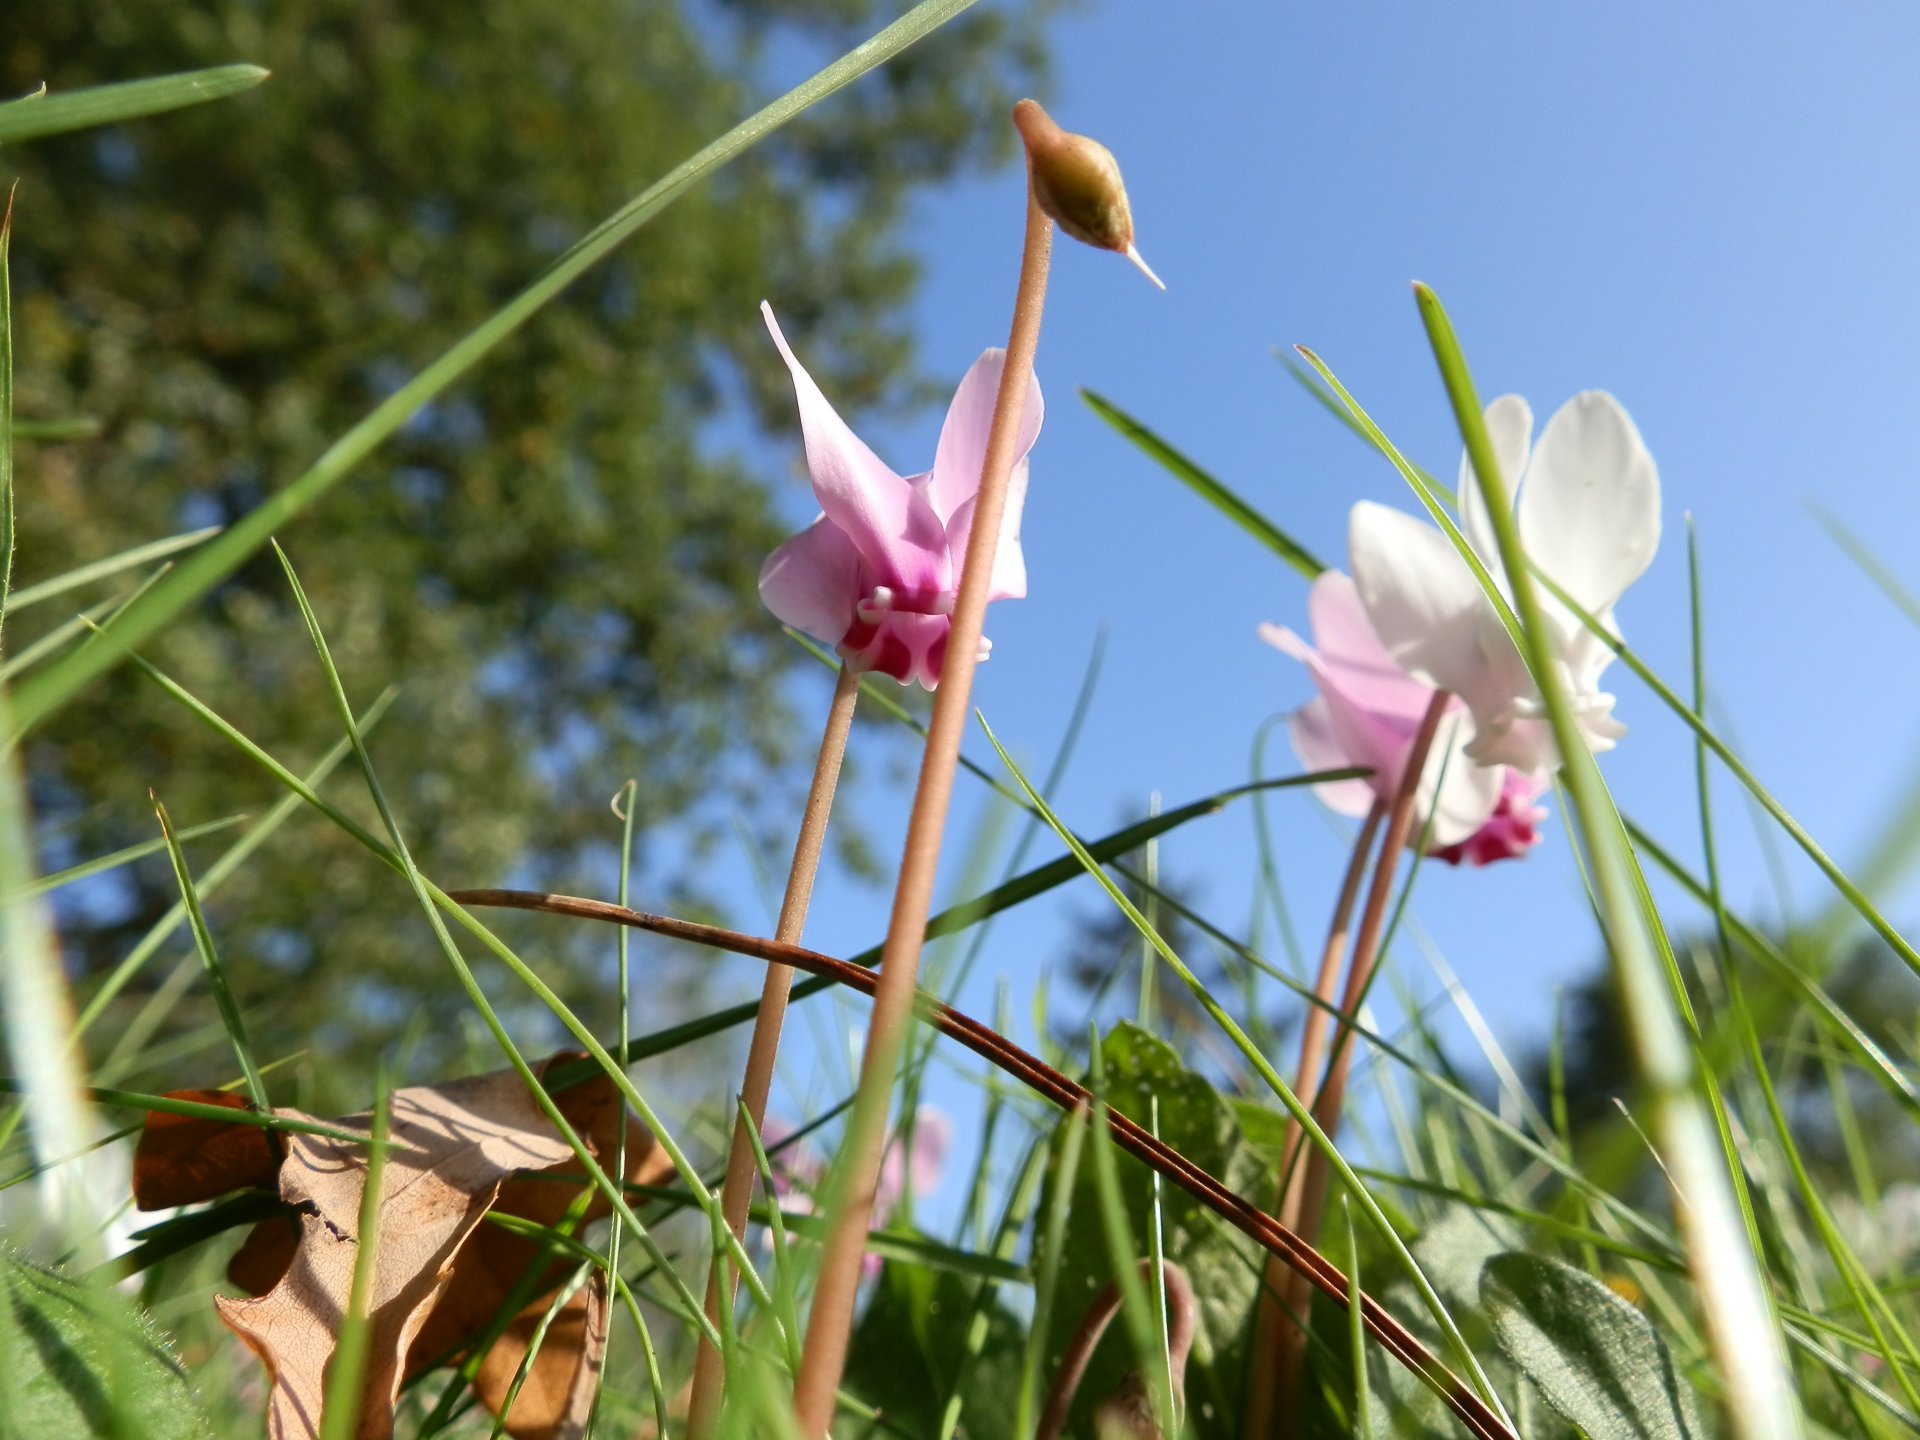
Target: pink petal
[1314, 742]
[901, 645]
[1353, 654]
[1009, 560]
[890, 522]
[812, 581]
[962, 452]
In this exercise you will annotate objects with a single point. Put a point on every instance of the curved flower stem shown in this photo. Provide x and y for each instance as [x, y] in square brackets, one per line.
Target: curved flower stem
[1181, 1309]
[1315, 1174]
[1474, 1413]
[736, 1194]
[852, 1187]
[1264, 1369]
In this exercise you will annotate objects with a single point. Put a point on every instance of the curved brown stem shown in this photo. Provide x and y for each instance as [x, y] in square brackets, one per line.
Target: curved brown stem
[1474, 1412]
[1093, 1325]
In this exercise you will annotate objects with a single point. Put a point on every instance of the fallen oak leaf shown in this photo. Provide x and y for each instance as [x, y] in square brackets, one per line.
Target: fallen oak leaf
[441, 1279]
[186, 1159]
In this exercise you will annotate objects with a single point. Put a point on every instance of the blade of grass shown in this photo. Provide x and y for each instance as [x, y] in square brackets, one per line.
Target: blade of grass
[6, 402]
[345, 1397]
[1073, 1135]
[73, 579]
[39, 115]
[126, 856]
[208, 566]
[210, 958]
[1747, 1349]
[1429, 1297]
[1206, 487]
[78, 427]
[402, 859]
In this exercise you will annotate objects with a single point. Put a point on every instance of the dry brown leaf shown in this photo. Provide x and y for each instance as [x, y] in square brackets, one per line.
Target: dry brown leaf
[455, 1147]
[185, 1159]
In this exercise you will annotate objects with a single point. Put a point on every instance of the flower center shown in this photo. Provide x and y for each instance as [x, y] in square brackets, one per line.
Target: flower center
[884, 599]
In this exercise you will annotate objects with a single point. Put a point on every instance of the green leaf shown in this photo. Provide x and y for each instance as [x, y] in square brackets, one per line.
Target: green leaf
[81, 1361]
[1207, 488]
[43, 114]
[910, 1345]
[1239, 1143]
[1595, 1358]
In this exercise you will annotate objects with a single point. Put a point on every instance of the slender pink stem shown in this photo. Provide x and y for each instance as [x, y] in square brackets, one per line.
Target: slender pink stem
[1331, 1094]
[823, 1357]
[1181, 1309]
[1271, 1320]
[736, 1194]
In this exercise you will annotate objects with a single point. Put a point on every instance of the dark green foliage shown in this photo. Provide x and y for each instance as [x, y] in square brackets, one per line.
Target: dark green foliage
[909, 1346]
[557, 560]
[82, 1362]
[1240, 1143]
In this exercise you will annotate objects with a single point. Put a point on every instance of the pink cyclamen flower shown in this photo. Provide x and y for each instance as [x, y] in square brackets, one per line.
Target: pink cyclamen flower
[1367, 713]
[801, 1171]
[877, 574]
[1587, 504]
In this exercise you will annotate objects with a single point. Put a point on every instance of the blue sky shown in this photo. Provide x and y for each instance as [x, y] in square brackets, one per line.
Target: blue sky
[1707, 210]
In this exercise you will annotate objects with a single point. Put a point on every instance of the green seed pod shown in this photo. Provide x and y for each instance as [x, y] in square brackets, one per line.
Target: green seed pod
[1077, 183]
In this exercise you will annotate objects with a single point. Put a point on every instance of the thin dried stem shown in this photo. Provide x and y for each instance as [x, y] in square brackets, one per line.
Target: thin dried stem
[851, 1190]
[1316, 1174]
[1267, 1232]
[736, 1194]
[1271, 1319]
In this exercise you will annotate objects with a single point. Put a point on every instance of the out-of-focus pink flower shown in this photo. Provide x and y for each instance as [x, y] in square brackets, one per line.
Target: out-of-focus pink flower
[1367, 713]
[877, 574]
[800, 1171]
[1587, 505]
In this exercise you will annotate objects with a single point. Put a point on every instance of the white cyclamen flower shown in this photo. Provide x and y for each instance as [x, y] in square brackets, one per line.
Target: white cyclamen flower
[1588, 508]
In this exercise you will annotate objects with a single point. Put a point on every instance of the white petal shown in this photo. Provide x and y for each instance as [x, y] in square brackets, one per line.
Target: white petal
[1421, 598]
[1510, 428]
[1468, 793]
[962, 453]
[1590, 508]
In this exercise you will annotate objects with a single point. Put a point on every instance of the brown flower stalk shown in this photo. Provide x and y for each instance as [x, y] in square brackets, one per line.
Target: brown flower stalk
[1316, 1173]
[1473, 1411]
[736, 1193]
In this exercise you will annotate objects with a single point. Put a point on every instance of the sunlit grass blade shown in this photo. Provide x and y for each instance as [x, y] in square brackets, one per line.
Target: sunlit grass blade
[1747, 1345]
[170, 1105]
[210, 959]
[101, 569]
[786, 1280]
[206, 567]
[126, 855]
[6, 403]
[1262, 1067]
[1021, 1200]
[79, 427]
[37, 1010]
[401, 859]
[340, 1413]
[1046, 1288]
[1123, 1252]
[42, 114]
[223, 868]
[1206, 487]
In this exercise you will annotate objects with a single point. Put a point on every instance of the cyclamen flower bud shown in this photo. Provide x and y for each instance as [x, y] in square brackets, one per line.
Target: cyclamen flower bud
[1077, 183]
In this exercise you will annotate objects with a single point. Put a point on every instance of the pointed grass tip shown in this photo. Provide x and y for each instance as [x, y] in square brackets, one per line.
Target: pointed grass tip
[1076, 181]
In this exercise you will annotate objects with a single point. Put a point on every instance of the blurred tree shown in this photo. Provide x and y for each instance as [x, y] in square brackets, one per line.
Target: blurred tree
[1866, 980]
[556, 561]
